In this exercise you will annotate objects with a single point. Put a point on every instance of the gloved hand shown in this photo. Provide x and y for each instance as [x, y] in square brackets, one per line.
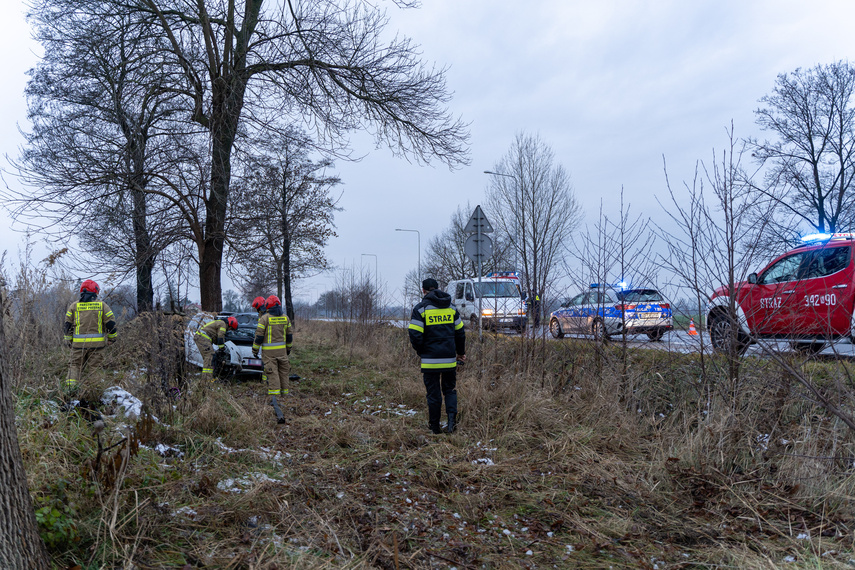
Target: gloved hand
[255, 354]
[222, 349]
[287, 351]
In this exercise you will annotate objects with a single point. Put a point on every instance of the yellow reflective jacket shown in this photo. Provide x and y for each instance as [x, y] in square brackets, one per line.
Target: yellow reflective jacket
[215, 331]
[273, 334]
[90, 324]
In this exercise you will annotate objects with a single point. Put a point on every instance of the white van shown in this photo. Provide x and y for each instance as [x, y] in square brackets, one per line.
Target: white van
[500, 296]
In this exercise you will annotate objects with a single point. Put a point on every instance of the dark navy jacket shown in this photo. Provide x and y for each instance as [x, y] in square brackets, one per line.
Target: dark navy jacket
[436, 331]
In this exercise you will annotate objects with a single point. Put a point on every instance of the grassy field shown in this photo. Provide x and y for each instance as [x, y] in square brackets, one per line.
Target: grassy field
[568, 455]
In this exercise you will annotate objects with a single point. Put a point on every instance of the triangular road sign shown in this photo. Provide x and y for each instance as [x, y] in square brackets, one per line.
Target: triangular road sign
[478, 222]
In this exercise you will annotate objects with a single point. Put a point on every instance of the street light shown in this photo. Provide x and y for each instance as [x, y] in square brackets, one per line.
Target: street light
[374, 255]
[419, 270]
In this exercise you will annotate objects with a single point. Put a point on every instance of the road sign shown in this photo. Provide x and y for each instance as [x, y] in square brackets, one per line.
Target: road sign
[478, 249]
[478, 222]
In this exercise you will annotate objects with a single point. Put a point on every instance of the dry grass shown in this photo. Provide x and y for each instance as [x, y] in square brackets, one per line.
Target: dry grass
[568, 455]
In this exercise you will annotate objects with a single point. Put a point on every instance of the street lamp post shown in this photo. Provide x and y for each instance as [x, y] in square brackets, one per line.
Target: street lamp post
[419, 269]
[374, 255]
[520, 228]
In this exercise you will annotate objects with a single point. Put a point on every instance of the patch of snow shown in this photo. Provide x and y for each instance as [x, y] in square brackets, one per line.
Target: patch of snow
[186, 512]
[483, 461]
[803, 536]
[241, 484]
[124, 399]
[789, 559]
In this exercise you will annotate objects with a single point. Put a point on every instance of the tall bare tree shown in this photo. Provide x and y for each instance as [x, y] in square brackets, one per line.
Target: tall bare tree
[535, 206]
[100, 105]
[811, 113]
[282, 214]
[244, 64]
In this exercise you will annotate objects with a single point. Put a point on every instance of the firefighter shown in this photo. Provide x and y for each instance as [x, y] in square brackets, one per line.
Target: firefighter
[438, 337]
[89, 327]
[258, 305]
[273, 336]
[206, 337]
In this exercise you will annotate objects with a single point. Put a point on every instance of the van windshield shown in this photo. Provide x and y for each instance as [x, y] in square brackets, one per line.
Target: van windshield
[500, 289]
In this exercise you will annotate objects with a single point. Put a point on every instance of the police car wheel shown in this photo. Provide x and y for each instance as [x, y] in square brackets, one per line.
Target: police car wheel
[598, 329]
[656, 335]
[555, 329]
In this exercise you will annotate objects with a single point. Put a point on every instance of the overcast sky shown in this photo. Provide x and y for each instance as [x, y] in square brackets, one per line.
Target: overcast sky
[611, 86]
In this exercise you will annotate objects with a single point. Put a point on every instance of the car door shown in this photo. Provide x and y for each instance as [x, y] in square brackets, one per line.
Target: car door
[771, 304]
[825, 293]
[572, 315]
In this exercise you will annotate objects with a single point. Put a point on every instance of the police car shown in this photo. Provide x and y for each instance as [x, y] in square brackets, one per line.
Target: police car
[805, 296]
[607, 310]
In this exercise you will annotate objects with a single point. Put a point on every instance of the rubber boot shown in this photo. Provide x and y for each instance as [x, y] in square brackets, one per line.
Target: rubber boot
[434, 427]
[280, 419]
[452, 424]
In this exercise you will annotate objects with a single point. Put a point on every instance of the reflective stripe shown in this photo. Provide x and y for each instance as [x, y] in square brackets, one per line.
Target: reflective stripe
[440, 365]
[70, 382]
[452, 360]
[83, 339]
[416, 326]
[207, 370]
[274, 345]
[200, 333]
[458, 324]
[272, 392]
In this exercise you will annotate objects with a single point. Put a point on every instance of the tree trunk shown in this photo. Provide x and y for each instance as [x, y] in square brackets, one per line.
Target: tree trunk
[21, 547]
[144, 255]
[227, 104]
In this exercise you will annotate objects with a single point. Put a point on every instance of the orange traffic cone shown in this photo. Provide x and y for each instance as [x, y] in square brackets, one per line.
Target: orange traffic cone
[692, 330]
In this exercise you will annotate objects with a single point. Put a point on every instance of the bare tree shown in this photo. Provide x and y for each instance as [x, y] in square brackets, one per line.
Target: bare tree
[100, 105]
[535, 206]
[245, 64]
[21, 547]
[282, 214]
[810, 162]
[446, 259]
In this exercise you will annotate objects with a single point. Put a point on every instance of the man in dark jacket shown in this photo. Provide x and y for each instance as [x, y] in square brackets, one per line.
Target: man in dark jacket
[437, 335]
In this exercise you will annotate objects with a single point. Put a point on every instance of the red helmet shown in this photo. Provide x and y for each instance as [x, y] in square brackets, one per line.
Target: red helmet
[90, 287]
[258, 303]
[272, 301]
[232, 323]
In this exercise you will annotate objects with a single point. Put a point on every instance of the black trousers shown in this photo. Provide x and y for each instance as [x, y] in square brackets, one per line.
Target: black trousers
[440, 383]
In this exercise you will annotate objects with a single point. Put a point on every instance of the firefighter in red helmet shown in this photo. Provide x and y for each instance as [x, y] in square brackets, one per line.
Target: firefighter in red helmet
[273, 336]
[89, 327]
[206, 337]
[259, 305]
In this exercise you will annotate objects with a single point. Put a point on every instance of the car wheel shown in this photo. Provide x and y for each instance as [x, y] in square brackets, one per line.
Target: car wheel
[656, 335]
[555, 329]
[598, 329]
[720, 336]
[807, 347]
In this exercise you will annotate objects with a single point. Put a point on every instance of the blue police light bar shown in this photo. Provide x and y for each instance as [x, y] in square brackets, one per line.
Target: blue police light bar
[623, 285]
[816, 237]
